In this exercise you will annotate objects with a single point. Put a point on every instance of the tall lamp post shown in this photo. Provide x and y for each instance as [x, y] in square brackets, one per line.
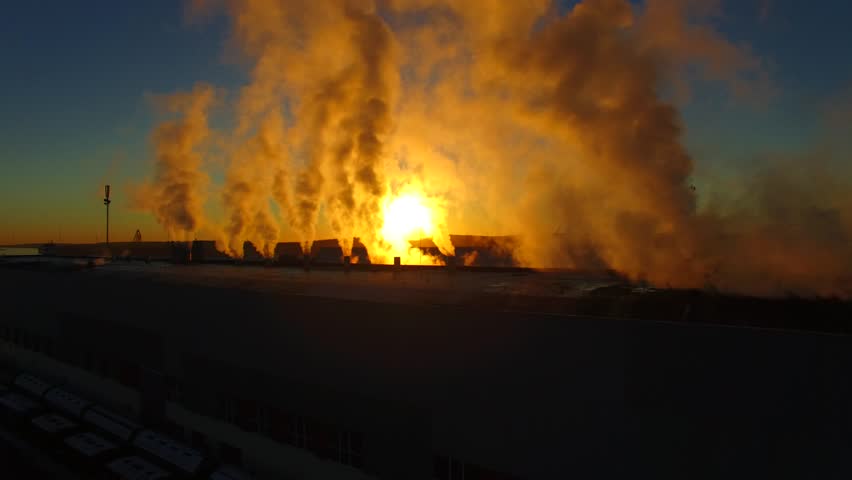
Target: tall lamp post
[107, 201]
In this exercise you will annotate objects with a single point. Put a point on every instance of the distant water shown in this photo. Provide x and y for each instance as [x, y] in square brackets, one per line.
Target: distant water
[17, 251]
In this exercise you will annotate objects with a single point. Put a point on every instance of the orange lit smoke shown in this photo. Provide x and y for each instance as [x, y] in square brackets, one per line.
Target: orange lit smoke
[177, 193]
[503, 117]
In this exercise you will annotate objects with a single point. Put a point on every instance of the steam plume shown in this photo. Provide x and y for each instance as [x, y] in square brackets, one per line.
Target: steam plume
[176, 195]
[342, 106]
[357, 167]
[255, 174]
[513, 118]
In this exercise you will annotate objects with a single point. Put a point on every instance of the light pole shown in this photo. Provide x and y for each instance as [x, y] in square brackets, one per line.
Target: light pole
[107, 201]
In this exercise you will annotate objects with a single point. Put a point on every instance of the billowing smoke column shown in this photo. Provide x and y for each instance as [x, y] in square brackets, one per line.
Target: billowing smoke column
[258, 170]
[176, 196]
[560, 123]
[357, 157]
[573, 125]
[249, 186]
[332, 63]
[502, 117]
[603, 100]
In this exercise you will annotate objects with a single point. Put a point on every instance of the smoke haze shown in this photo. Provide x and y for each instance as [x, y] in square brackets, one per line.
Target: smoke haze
[505, 118]
[176, 195]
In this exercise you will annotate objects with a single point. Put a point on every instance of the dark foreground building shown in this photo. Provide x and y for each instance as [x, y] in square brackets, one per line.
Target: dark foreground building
[414, 375]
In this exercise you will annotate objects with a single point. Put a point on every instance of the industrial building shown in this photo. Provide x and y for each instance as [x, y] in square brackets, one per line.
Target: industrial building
[473, 250]
[429, 374]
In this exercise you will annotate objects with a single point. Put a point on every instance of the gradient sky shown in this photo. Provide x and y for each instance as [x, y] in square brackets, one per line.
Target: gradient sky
[76, 80]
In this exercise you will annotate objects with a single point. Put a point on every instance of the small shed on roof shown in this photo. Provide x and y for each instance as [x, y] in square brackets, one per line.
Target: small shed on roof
[326, 250]
[288, 252]
[427, 246]
[481, 250]
[250, 252]
[475, 250]
[329, 251]
[360, 250]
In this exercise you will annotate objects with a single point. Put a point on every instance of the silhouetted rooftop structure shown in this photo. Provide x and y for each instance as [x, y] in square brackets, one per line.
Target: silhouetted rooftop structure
[329, 251]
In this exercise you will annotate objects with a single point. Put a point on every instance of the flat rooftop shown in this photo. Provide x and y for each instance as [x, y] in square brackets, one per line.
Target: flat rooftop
[382, 283]
[561, 293]
[382, 286]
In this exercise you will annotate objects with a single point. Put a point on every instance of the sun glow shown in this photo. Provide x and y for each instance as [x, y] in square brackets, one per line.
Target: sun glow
[410, 214]
[406, 217]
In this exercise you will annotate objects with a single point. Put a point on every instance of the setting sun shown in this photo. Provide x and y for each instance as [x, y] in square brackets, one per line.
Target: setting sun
[406, 217]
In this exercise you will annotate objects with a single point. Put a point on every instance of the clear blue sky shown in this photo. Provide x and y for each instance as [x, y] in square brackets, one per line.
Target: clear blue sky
[75, 77]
